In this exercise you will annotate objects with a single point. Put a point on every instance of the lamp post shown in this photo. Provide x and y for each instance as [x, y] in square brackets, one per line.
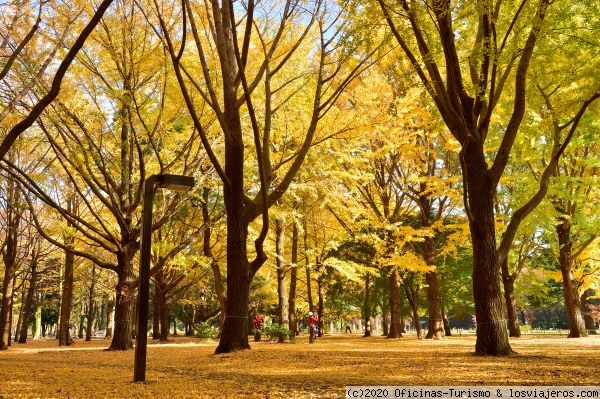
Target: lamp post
[175, 183]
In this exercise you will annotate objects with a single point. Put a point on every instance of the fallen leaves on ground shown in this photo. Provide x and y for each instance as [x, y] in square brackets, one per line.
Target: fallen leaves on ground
[187, 368]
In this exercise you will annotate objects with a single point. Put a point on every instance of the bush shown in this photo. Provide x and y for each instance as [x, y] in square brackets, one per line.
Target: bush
[203, 330]
[276, 331]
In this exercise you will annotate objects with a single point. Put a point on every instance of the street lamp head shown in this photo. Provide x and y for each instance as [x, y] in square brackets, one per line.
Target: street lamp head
[175, 182]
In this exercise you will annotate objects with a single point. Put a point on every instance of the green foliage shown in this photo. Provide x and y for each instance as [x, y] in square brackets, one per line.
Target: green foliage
[276, 331]
[204, 330]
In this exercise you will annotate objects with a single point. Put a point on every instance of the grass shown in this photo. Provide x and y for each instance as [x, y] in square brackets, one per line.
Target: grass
[187, 368]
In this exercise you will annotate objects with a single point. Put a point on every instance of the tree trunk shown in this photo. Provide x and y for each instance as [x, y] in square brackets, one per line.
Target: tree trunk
[207, 250]
[66, 301]
[492, 337]
[91, 307]
[447, 329]
[434, 302]
[293, 322]
[413, 299]
[309, 295]
[110, 314]
[163, 313]
[570, 285]
[395, 328]
[508, 282]
[37, 328]
[282, 298]
[9, 255]
[124, 304]
[367, 308]
[28, 303]
[234, 336]
[21, 310]
[155, 318]
[321, 296]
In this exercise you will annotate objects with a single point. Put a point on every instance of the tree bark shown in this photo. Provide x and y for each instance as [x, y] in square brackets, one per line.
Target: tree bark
[124, 304]
[66, 301]
[508, 281]
[282, 293]
[367, 307]
[207, 250]
[570, 285]
[413, 299]
[28, 303]
[9, 255]
[395, 328]
[110, 314]
[293, 322]
[91, 307]
[434, 297]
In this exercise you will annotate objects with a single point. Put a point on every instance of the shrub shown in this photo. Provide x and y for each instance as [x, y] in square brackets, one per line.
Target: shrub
[204, 330]
[276, 331]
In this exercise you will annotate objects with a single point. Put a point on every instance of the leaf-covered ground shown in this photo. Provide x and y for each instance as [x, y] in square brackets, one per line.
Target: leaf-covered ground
[187, 368]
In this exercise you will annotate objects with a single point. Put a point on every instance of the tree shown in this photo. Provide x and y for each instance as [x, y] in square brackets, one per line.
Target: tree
[103, 137]
[498, 50]
[260, 63]
[41, 104]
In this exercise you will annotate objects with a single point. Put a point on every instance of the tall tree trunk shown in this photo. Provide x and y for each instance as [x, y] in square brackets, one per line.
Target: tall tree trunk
[395, 328]
[155, 318]
[207, 250]
[162, 311]
[434, 298]
[434, 302]
[9, 255]
[110, 314]
[282, 298]
[21, 310]
[367, 307]
[28, 303]
[91, 307]
[67, 287]
[309, 295]
[321, 303]
[37, 327]
[447, 329]
[293, 322]
[234, 336]
[508, 282]
[82, 312]
[492, 337]
[570, 285]
[412, 294]
[125, 298]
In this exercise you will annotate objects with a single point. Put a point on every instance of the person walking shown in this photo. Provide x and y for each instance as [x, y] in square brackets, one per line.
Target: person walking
[313, 326]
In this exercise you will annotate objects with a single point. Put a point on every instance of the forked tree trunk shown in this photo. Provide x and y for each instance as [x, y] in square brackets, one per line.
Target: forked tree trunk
[570, 285]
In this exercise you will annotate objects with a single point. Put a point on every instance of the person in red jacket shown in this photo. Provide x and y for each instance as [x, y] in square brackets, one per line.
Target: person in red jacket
[313, 326]
[257, 322]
